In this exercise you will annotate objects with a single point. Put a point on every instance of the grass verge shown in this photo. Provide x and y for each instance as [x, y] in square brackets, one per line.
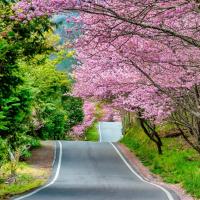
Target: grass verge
[179, 164]
[27, 179]
[92, 133]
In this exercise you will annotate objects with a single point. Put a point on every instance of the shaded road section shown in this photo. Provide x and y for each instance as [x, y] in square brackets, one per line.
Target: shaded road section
[94, 171]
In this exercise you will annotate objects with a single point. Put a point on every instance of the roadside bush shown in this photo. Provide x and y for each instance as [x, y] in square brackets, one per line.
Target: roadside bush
[3, 151]
[54, 111]
[74, 108]
[54, 126]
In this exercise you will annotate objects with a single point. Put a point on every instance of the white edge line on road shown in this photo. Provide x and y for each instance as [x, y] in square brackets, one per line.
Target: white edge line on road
[170, 197]
[52, 182]
[100, 135]
[54, 157]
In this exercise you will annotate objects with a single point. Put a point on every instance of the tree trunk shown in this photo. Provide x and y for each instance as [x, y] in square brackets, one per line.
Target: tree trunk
[151, 133]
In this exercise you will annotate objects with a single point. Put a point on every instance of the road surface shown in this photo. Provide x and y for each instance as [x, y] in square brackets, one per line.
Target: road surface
[110, 131]
[95, 171]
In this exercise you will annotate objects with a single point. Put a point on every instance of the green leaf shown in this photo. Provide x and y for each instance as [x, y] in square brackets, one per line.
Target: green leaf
[11, 34]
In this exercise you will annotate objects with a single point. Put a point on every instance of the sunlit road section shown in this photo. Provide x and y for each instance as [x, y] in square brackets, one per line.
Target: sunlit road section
[110, 131]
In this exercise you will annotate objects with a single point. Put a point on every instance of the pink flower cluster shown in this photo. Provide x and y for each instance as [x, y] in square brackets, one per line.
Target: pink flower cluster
[140, 67]
[30, 9]
[110, 114]
[89, 118]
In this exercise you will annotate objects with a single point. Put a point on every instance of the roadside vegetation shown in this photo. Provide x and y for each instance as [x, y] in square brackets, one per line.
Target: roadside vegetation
[35, 98]
[31, 172]
[179, 163]
[87, 129]
[92, 133]
[28, 178]
[101, 112]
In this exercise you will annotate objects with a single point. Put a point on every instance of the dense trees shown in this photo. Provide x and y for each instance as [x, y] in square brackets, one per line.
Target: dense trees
[54, 111]
[35, 100]
[17, 41]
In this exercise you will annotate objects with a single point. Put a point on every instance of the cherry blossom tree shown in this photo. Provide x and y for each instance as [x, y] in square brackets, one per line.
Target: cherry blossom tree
[149, 71]
[139, 56]
[150, 18]
[89, 118]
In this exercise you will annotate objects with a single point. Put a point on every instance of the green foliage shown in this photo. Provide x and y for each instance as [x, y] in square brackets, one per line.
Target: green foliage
[17, 41]
[15, 110]
[178, 164]
[55, 111]
[74, 108]
[54, 127]
[3, 151]
[24, 183]
[34, 96]
[92, 134]
[33, 100]
[28, 178]
[30, 143]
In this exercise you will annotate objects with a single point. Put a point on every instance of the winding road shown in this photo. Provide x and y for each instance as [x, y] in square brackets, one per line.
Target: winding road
[96, 171]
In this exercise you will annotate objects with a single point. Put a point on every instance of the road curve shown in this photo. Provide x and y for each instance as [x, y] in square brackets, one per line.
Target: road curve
[93, 171]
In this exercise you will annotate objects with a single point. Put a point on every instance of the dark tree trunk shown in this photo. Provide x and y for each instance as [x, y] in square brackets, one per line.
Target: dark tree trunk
[149, 130]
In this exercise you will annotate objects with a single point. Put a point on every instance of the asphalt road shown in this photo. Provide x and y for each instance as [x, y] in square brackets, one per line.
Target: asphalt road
[110, 131]
[95, 171]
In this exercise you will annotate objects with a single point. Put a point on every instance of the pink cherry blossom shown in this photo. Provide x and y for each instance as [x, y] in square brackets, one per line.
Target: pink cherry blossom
[89, 118]
[136, 55]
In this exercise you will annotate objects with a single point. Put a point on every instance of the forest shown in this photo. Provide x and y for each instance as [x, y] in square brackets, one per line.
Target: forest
[35, 98]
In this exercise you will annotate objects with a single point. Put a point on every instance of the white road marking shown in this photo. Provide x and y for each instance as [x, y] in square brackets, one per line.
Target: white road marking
[169, 196]
[52, 182]
[54, 157]
[100, 135]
